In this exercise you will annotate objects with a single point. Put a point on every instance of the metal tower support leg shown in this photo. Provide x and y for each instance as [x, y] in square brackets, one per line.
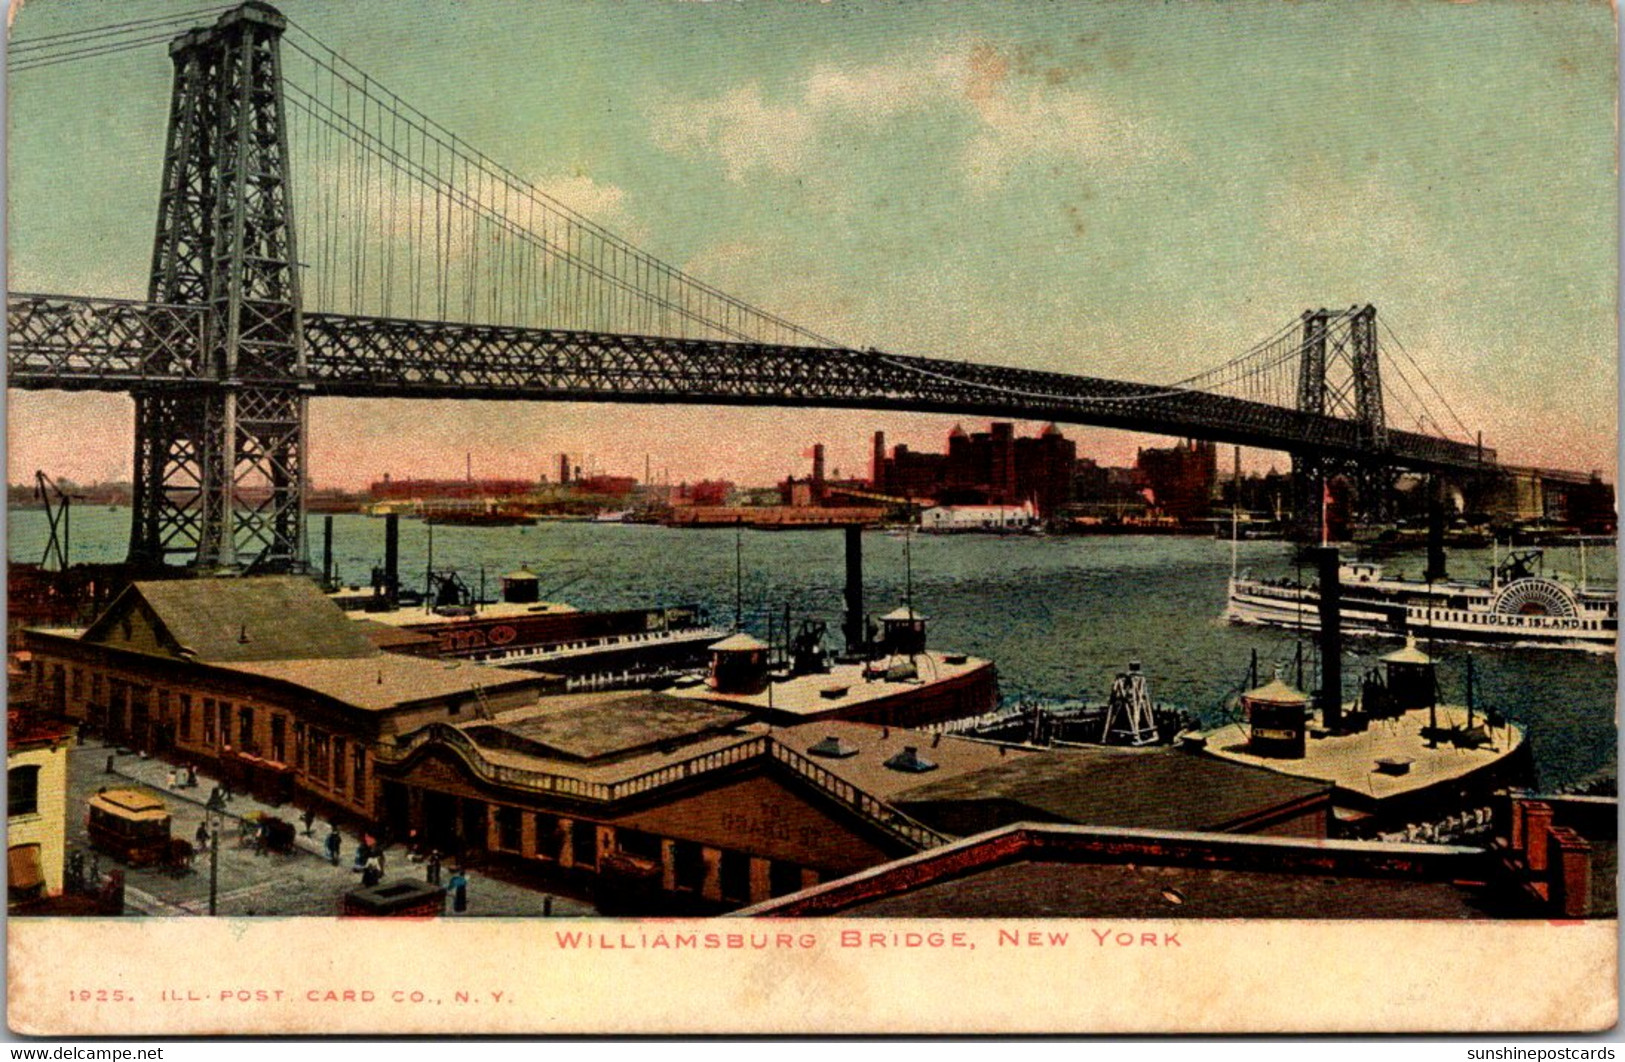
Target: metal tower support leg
[220, 470]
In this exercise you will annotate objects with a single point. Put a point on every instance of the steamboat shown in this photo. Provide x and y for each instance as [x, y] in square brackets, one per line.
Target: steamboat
[1519, 605]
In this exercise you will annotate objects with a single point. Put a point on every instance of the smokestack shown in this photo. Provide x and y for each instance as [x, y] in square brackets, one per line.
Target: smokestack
[564, 469]
[818, 474]
[327, 553]
[1331, 639]
[1436, 561]
[855, 634]
[392, 558]
[877, 465]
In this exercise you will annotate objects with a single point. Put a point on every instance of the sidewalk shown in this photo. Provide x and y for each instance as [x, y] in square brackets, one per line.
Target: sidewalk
[301, 883]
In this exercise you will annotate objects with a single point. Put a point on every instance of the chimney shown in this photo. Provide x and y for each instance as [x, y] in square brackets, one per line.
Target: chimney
[877, 464]
[1436, 571]
[818, 474]
[1569, 860]
[1537, 824]
[1331, 640]
[855, 633]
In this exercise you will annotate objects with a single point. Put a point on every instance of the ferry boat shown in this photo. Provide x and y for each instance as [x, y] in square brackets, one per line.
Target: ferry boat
[1402, 765]
[1520, 605]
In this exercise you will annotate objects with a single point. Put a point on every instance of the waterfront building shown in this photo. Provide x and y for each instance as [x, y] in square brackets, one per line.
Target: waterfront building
[950, 519]
[262, 679]
[36, 807]
[1550, 857]
[991, 468]
[1181, 478]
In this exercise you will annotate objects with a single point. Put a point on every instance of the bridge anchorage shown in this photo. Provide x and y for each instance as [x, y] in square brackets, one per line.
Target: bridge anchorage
[239, 330]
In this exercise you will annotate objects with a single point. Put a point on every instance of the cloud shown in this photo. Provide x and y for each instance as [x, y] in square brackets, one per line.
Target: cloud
[740, 127]
[1011, 115]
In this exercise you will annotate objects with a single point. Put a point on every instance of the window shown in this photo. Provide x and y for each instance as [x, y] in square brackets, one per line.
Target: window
[734, 876]
[163, 706]
[245, 729]
[208, 721]
[783, 878]
[688, 866]
[584, 843]
[299, 746]
[225, 723]
[22, 791]
[186, 717]
[279, 738]
[24, 877]
[360, 774]
[549, 838]
[508, 828]
[318, 755]
[96, 689]
[640, 844]
[78, 686]
[338, 763]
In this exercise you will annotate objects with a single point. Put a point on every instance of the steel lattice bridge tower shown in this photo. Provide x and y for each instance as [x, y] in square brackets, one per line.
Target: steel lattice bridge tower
[225, 353]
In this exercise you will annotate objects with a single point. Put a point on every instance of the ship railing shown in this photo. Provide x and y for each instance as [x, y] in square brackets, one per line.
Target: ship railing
[1422, 617]
[617, 641]
[536, 781]
[869, 807]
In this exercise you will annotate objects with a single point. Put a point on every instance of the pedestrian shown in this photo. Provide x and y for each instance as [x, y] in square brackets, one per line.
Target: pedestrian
[203, 834]
[334, 844]
[171, 783]
[434, 866]
[547, 907]
[191, 776]
[373, 872]
[310, 820]
[459, 890]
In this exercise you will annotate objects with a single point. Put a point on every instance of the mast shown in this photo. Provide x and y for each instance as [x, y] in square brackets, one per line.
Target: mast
[739, 576]
[1235, 506]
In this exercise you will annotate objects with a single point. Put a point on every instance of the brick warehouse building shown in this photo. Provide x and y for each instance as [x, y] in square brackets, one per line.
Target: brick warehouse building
[262, 678]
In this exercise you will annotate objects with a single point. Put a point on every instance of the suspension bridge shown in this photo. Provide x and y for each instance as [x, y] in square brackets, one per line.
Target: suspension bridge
[317, 235]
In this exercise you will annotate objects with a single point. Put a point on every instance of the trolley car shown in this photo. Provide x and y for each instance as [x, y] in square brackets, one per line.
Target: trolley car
[131, 825]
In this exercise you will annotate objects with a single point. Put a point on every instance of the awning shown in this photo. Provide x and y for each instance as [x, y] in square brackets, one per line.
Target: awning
[23, 867]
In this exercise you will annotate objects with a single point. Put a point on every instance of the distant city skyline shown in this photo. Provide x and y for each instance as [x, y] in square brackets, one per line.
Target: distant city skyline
[1026, 185]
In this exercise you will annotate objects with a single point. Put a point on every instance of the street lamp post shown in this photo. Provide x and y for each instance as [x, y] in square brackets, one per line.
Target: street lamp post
[214, 813]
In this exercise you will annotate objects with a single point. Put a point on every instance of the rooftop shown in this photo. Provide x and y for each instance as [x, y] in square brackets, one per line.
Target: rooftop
[388, 680]
[811, 696]
[279, 617]
[875, 745]
[593, 727]
[1153, 788]
[1349, 761]
[1039, 871]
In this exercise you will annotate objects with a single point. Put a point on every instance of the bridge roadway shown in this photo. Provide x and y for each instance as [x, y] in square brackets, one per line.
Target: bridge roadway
[89, 344]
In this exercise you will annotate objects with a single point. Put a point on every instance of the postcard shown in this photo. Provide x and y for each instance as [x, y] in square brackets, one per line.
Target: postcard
[811, 518]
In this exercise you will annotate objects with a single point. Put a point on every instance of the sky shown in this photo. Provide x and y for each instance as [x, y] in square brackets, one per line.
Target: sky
[1130, 190]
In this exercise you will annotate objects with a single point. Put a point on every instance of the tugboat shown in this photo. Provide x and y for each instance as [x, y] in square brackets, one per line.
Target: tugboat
[1128, 718]
[1402, 764]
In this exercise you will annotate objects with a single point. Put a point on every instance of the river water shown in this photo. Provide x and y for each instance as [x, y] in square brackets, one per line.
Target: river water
[1059, 616]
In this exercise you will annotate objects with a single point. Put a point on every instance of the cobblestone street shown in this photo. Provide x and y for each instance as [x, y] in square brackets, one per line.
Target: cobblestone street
[251, 883]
